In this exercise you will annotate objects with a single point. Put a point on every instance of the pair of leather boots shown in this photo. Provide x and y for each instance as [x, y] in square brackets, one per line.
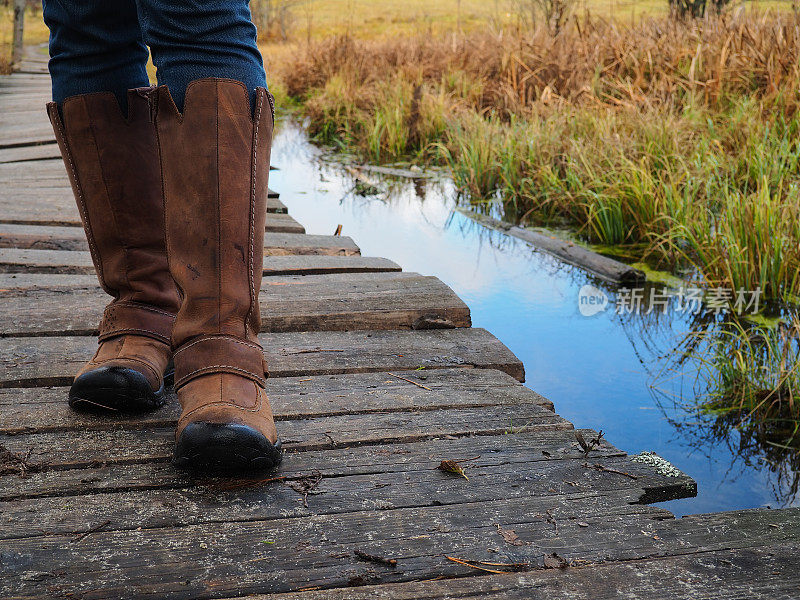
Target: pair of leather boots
[174, 209]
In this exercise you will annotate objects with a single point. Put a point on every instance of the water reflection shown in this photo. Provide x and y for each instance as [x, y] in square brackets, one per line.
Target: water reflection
[612, 372]
[743, 377]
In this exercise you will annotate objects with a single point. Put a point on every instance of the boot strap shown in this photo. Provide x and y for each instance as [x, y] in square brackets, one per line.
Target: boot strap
[219, 354]
[132, 318]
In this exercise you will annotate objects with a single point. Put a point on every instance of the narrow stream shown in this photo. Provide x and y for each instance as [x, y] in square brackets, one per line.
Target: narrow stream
[602, 372]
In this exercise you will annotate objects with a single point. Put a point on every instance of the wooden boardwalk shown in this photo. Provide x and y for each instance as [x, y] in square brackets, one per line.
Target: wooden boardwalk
[377, 377]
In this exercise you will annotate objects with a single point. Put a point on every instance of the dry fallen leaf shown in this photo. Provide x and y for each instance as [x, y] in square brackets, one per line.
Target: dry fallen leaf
[451, 466]
[509, 535]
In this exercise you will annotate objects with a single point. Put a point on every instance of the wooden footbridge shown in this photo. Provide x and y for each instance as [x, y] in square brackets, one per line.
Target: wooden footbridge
[377, 378]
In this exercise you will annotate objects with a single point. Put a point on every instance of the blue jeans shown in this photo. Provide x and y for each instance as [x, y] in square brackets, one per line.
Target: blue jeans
[102, 45]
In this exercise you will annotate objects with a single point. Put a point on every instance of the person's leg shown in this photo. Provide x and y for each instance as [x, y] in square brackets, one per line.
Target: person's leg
[112, 162]
[214, 157]
[215, 166]
[108, 142]
[200, 39]
[95, 46]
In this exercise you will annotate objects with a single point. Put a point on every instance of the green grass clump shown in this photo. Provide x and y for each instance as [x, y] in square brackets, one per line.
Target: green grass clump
[751, 379]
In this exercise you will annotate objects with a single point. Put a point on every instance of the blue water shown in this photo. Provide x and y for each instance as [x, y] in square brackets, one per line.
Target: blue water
[597, 370]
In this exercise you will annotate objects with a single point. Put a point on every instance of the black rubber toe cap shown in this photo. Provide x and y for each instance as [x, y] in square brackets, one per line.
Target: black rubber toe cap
[225, 448]
[114, 389]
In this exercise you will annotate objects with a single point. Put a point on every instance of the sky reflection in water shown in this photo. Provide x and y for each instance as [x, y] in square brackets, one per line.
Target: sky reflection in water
[594, 369]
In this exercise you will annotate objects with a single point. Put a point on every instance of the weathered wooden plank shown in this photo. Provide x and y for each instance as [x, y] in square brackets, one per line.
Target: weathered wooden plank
[49, 168]
[285, 244]
[17, 283]
[72, 238]
[222, 559]
[33, 68]
[30, 101]
[25, 138]
[16, 260]
[55, 282]
[29, 85]
[153, 471]
[42, 237]
[45, 409]
[336, 301]
[40, 91]
[56, 196]
[28, 214]
[46, 170]
[36, 97]
[29, 105]
[219, 559]
[38, 152]
[25, 209]
[13, 77]
[282, 223]
[542, 462]
[17, 76]
[73, 449]
[341, 490]
[26, 98]
[46, 281]
[743, 574]
[14, 114]
[25, 78]
[29, 153]
[58, 202]
[46, 361]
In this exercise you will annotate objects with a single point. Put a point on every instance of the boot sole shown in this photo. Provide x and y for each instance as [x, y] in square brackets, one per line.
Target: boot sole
[225, 448]
[115, 390]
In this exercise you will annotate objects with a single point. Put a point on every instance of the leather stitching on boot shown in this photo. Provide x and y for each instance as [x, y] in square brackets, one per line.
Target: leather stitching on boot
[218, 337]
[253, 177]
[210, 369]
[140, 306]
[117, 332]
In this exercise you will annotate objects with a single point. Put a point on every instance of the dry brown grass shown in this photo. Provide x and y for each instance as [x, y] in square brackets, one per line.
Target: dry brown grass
[655, 62]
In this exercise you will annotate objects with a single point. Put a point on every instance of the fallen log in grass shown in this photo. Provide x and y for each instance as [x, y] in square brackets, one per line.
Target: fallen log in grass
[570, 252]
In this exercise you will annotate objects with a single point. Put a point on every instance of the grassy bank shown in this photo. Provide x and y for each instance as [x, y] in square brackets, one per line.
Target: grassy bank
[677, 139]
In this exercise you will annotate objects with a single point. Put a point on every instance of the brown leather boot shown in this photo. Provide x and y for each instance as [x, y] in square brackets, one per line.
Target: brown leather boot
[113, 166]
[215, 165]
